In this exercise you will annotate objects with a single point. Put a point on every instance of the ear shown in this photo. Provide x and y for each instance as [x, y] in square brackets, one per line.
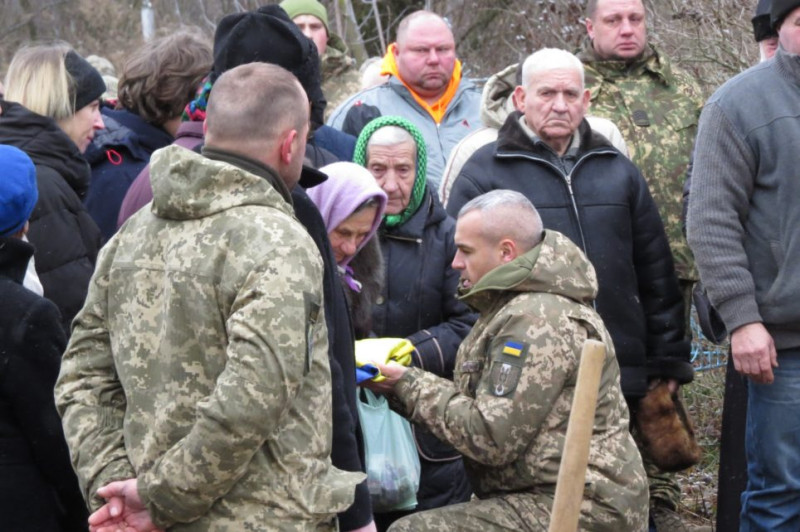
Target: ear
[519, 98]
[508, 250]
[395, 50]
[205, 128]
[288, 151]
[589, 27]
[587, 97]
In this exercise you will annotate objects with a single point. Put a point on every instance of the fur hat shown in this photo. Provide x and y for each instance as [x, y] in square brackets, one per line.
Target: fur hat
[780, 9]
[295, 8]
[18, 191]
[666, 430]
[762, 29]
[268, 35]
[88, 84]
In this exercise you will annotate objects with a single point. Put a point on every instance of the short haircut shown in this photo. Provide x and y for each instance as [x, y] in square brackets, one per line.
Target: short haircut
[507, 214]
[550, 59]
[402, 28]
[390, 136]
[591, 8]
[38, 79]
[162, 76]
[255, 102]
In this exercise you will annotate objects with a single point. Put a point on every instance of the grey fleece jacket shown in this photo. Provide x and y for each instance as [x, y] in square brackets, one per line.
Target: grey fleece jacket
[744, 214]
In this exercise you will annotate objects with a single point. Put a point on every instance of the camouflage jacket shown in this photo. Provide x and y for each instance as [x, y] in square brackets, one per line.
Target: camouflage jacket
[657, 107]
[340, 77]
[508, 407]
[199, 362]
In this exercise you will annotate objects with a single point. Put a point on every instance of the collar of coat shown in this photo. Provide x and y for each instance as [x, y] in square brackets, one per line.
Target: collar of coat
[652, 62]
[513, 138]
[15, 254]
[250, 165]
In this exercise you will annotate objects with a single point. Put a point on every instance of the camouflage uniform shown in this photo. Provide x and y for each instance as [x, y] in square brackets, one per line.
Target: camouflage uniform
[508, 407]
[199, 362]
[657, 108]
[340, 77]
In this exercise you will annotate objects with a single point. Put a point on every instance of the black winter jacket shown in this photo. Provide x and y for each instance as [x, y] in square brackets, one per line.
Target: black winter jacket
[419, 303]
[38, 488]
[419, 295]
[347, 451]
[65, 237]
[605, 207]
[117, 154]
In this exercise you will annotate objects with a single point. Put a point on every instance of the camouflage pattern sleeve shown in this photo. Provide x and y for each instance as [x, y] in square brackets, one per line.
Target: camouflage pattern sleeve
[513, 393]
[269, 353]
[89, 396]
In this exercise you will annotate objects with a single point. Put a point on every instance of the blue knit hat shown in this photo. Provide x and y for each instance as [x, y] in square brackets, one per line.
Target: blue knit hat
[18, 191]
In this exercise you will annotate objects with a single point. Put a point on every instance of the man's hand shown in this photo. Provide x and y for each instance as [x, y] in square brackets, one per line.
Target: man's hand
[754, 353]
[123, 511]
[392, 371]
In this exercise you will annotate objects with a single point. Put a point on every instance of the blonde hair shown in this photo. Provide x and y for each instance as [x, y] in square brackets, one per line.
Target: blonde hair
[38, 79]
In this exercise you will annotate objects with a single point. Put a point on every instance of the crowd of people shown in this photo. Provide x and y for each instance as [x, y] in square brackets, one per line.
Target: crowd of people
[190, 252]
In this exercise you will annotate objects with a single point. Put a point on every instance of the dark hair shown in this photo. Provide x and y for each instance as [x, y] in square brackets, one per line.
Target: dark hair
[162, 76]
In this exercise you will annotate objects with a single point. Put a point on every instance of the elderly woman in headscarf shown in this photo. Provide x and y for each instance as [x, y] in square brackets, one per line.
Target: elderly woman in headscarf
[352, 206]
[418, 299]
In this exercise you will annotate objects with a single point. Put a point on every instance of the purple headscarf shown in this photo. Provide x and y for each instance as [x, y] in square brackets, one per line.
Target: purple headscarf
[348, 186]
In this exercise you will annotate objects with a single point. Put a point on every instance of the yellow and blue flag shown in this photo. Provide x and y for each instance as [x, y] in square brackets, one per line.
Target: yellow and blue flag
[512, 348]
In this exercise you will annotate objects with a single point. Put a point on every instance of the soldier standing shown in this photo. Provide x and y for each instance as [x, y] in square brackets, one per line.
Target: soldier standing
[340, 77]
[195, 392]
[506, 410]
[656, 106]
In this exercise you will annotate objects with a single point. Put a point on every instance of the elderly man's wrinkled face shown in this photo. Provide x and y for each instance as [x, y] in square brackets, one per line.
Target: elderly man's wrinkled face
[789, 32]
[475, 254]
[314, 29]
[426, 56]
[618, 29]
[554, 104]
[395, 169]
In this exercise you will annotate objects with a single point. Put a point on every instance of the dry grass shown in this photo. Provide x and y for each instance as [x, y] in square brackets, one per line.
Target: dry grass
[703, 399]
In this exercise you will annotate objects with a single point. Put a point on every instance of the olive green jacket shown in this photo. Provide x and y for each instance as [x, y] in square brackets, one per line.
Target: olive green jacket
[657, 107]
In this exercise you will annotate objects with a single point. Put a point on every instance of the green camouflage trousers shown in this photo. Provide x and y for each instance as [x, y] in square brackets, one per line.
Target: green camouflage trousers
[509, 513]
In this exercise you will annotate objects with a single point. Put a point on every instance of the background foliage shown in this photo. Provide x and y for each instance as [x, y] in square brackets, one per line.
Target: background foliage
[710, 38]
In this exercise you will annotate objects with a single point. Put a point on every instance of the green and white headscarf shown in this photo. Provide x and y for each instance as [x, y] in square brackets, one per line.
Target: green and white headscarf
[418, 190]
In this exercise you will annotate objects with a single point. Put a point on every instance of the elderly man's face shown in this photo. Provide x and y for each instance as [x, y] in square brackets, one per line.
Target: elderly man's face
[395, 169]
[789, 32]
[314, 29]
[426, 56]
[554, 104]
[618, 29]
[475, 254]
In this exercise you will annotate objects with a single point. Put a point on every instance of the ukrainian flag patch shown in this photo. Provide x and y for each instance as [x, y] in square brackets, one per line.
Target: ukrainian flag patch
[512, 348]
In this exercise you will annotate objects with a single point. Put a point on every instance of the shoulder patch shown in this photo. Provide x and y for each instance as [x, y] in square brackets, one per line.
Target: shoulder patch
[507, 368]
[513, 348]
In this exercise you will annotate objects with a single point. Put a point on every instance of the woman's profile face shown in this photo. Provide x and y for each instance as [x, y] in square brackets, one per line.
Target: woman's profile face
[81, 126]
[350, 234]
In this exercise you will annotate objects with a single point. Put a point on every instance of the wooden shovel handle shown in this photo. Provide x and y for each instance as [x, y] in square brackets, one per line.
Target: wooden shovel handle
[575, 458]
